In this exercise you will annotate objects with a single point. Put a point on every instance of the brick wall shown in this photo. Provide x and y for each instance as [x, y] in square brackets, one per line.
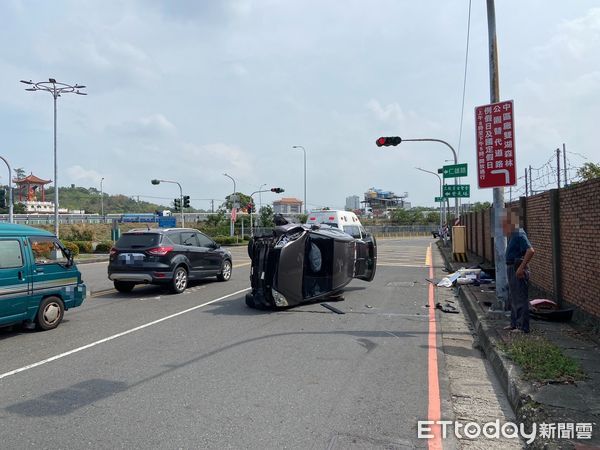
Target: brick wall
[580, 245]
[539, 233]
[579, 257]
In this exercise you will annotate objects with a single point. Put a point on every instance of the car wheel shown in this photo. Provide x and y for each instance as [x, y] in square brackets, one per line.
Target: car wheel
[225, 274]
[250, 301]
[50, 313]
[124, 286]
[179, 281]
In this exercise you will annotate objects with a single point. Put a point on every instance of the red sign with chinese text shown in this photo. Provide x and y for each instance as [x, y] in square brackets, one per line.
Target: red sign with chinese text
[495, 137]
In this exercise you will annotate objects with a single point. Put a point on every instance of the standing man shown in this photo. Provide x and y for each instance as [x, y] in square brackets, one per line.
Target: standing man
[518, 254]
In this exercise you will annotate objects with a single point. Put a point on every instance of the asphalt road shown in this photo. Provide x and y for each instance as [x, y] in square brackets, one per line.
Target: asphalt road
[155, 370]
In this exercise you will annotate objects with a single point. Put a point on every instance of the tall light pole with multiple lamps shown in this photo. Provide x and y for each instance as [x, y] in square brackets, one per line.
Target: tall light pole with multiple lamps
[10, 191]
[156, 182]
[102, 200]
[56, 89]
[231, 229]
[304, 150]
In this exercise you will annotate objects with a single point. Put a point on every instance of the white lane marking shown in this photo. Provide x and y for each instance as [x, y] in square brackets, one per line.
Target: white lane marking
[90, 264]
[115, 336]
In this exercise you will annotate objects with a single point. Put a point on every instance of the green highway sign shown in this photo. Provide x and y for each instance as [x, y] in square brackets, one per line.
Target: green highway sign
[439, 199]
[457, 190]
[456, 170]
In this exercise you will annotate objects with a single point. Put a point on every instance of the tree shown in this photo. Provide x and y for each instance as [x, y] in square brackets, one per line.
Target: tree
[214, 220]
[302, 218]
[478, 206]
[19, 173]
[589, 171]
[243, 200]
[266, 216]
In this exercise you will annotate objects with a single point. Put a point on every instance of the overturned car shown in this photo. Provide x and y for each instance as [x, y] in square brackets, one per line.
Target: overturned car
[301, 263]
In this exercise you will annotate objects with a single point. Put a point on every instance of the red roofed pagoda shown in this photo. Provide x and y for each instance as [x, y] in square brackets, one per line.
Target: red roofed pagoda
[29, 187]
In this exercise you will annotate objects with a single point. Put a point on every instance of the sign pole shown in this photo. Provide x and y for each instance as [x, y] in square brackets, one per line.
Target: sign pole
[499, 238]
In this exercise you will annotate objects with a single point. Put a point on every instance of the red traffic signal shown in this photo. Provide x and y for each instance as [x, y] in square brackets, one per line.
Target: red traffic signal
[387, 141]
[277, 190]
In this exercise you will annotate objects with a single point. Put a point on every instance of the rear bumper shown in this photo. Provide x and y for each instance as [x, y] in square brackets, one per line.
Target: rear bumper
[136, 277]
[141, 277]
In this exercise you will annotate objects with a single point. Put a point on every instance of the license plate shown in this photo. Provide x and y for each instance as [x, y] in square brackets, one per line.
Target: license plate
[131, 258]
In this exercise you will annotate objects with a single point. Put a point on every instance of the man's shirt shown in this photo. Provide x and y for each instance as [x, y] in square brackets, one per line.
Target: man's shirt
[517, 246]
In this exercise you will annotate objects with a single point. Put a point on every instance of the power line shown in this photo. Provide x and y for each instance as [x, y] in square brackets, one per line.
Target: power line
[462, 111]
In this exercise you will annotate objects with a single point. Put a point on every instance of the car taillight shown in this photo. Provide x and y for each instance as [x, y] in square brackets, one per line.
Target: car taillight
[159, 251]
[113, 251]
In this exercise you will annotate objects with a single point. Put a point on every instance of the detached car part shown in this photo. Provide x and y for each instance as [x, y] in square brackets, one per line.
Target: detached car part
[301, 263]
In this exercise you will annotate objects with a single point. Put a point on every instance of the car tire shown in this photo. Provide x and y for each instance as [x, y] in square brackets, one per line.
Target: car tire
[50, 313]
[225, 274]
[250, 301]
[179, 281]
[124, 286]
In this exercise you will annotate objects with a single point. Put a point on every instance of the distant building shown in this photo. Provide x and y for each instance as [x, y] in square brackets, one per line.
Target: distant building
[353, 203]
[287, 205]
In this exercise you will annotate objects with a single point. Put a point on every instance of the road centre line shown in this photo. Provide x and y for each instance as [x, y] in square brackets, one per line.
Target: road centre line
[115, 336]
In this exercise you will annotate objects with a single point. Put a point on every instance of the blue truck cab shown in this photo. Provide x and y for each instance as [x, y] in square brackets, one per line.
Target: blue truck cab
[38, 279]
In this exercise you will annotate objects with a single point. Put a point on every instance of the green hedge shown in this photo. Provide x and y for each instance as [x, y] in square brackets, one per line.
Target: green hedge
[103, 247]
[72, 246]
[84, 246]
[225, 240]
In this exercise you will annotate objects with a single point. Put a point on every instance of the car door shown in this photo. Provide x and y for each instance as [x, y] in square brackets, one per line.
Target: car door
[212, 255]
[14, 280]
[194, 252]
[51, 270]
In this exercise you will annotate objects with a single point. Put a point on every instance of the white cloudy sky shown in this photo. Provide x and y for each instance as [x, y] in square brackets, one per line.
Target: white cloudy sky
[188, 90]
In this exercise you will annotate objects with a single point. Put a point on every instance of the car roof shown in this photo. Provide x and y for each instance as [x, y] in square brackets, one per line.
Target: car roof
[159, 230]
[11, 229]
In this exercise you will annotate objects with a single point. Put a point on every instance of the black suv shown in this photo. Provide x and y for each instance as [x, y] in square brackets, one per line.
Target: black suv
[170, 256]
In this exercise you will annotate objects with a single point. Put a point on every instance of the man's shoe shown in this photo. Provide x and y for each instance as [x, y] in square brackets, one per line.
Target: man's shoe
[509, 327]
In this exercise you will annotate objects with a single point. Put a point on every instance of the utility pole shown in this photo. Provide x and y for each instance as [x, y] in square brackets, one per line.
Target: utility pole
[498, 210]
[526, 187]
[10, 191]
[530, 182]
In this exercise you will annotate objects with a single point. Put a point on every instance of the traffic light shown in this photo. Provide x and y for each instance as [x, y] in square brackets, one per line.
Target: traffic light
[277, 190]
[2, 198]
[177, 203]
[250, 208]
[387, 141]
[186, 201]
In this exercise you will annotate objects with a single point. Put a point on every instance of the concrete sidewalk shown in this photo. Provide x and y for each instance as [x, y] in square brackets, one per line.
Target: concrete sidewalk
[552, 403]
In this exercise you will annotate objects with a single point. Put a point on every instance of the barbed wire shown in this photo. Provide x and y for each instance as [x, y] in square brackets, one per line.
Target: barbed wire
[545, 177]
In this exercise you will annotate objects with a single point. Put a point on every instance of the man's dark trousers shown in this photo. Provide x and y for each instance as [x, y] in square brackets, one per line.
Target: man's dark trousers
[519, 304]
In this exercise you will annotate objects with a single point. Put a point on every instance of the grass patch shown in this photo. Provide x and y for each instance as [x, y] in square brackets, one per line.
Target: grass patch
[542, 361]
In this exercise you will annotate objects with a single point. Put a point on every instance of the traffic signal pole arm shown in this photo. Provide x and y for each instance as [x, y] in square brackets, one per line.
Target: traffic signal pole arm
[395, 140]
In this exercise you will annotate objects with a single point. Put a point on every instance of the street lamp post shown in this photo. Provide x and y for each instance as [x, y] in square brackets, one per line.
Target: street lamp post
[456, 212]
[10, 192]
[231, 229]
[156, 181]
[304, 150]
[441, 192]
[102, 199]
[56, 89]
[260, 195]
